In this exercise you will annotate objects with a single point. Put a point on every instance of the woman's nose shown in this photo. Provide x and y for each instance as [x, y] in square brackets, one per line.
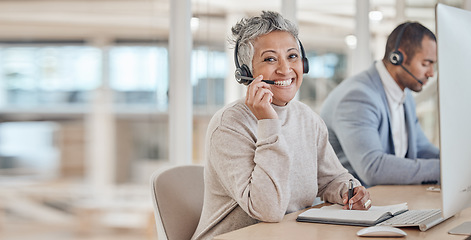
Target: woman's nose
[283, 67]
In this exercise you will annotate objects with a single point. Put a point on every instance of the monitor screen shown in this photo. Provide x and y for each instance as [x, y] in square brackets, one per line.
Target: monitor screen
[453, 29]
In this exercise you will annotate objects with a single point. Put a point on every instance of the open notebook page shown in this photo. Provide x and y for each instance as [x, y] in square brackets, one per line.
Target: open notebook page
[336, 215]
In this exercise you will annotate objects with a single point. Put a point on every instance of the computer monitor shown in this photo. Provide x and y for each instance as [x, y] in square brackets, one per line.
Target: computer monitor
[454, 96]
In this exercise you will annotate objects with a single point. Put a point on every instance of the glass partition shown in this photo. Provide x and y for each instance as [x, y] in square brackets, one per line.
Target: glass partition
[51, 75]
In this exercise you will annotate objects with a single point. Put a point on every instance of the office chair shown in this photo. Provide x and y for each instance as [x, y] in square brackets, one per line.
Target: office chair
[177, 195]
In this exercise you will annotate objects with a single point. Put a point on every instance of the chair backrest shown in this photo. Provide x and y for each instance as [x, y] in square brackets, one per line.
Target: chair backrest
[178, 200]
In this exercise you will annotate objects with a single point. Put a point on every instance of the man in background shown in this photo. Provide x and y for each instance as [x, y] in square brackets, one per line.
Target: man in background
[373, 126]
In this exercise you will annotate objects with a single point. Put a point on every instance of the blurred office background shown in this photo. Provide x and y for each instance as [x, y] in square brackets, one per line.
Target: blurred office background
[86, 114]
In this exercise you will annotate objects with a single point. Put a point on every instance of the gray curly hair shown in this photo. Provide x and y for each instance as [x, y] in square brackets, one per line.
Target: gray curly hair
[248, 29]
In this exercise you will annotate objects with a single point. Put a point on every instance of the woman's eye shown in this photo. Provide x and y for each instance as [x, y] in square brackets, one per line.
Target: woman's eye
[294, 55]
[269, 59]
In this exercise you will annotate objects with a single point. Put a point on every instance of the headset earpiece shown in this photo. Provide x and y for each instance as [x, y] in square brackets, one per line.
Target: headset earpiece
[244, 71]
[396, 57]
[305, 65]
[241, 71]
[304, 58]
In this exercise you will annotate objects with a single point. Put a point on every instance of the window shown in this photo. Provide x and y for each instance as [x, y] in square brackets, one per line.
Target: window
[33, 76]
[139, 75]
[209, 70]
[325, 72]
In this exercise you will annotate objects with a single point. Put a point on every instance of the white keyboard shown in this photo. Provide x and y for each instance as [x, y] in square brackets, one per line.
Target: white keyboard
[424, 219]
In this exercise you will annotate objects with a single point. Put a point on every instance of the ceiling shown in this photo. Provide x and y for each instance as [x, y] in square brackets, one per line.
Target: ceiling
[323, 23]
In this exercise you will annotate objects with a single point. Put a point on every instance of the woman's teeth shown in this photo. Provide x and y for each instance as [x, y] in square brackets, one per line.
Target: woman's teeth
[284, 82]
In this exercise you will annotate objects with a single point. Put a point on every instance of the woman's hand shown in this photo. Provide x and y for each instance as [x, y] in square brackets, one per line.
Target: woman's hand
[360, 200]
[259, 99]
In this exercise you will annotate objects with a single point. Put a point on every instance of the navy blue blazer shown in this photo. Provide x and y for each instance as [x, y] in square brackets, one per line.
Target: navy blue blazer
[358, 119]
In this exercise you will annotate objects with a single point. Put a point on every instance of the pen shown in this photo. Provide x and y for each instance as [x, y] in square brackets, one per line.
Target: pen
[350, 193]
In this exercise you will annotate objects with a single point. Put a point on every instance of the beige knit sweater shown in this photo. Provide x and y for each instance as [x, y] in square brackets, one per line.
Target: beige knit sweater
[260, 170]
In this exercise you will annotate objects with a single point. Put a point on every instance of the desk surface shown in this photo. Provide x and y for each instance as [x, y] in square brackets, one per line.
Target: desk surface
[416, 196]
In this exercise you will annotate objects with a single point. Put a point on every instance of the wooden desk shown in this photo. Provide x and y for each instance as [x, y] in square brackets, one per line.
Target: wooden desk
[416, 196]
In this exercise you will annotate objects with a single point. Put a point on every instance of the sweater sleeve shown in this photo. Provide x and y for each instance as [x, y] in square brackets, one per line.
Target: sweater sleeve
[253, 172]
[332, 176]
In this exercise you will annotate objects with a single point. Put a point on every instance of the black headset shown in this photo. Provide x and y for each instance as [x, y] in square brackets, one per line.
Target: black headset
[243, 74]
[396, 57]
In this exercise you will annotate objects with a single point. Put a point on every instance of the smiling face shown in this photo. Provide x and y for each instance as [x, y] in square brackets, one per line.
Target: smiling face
[277, 57]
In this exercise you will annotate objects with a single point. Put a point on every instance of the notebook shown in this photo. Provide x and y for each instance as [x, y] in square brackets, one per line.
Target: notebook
[334, 214]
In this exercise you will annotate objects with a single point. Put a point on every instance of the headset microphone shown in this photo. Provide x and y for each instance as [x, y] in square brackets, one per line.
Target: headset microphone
[418, 80]
[248, 80]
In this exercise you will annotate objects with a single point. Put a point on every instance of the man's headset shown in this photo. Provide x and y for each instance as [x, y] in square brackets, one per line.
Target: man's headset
[396, 57]
[243, 74]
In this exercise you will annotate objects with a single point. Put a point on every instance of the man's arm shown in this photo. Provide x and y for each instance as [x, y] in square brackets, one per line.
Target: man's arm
[361, 125]
[424, 148]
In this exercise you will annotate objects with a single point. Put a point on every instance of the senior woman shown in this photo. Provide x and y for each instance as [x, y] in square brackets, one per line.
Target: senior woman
[268, 155]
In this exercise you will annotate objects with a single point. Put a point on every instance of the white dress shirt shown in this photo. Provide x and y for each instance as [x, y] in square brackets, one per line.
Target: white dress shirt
[396, 97]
